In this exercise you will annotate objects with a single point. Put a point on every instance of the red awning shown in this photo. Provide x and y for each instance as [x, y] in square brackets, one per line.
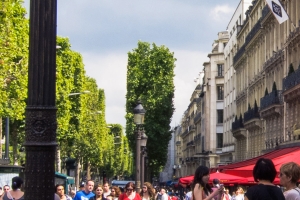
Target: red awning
[224, 178]
[277, 156]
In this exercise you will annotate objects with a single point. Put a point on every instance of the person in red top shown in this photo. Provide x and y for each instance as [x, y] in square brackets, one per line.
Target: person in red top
[130, 193]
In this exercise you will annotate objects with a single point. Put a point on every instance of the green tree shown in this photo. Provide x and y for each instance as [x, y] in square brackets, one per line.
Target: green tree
[150, 74]
[13, 68]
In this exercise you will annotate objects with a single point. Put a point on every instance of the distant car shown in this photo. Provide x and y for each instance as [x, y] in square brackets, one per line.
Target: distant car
[120, 184]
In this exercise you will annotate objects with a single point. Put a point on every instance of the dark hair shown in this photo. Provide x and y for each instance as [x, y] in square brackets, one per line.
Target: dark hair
[216, 181]
[16, 182]
[199, 173]
[58, 185]
[264, 169]
[130, 184]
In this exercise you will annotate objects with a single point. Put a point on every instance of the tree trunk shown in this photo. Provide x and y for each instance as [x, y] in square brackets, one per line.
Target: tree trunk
[14, 134]
[88, 171]
[1, 128]
[58, 160]
[77, 174]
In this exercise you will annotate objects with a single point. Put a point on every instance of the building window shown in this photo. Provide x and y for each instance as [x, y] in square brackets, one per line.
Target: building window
[221, 69]
[220, 116]
[219, 140]
[220, 91]
[202, 144]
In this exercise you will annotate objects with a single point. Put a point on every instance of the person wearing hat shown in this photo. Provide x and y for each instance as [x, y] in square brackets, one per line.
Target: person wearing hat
[16, 192]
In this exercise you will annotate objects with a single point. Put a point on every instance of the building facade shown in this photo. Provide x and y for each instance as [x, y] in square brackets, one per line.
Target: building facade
[236, 22]
[266, 65]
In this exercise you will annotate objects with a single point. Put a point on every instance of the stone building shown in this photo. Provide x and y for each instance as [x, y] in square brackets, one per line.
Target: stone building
[267, 81]
[236, 22]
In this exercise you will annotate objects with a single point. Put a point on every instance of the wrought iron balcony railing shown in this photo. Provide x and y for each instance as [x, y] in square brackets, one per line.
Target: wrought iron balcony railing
[275, 97]
[291, 80]
[251, 114]
[239, 54]
[253, 31]
[265, 12]
[198, 116]
[237, 125]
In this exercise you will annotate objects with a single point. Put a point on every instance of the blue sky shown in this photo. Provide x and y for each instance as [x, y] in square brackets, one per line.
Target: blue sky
[104, 31]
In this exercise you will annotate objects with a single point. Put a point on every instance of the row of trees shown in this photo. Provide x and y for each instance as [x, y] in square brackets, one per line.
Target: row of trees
[82, 131]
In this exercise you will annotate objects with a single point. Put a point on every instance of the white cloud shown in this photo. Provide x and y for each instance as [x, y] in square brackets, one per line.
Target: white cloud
[218, 12]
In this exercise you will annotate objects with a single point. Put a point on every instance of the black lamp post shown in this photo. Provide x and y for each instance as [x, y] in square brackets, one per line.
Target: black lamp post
[139, 113]
[40, 128]
[143, 155]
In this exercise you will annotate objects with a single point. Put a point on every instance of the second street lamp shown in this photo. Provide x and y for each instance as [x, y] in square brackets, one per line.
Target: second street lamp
[139, 114]
[143, 155]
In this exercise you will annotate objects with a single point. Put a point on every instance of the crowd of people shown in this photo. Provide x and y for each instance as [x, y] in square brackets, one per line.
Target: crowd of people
[264, 173]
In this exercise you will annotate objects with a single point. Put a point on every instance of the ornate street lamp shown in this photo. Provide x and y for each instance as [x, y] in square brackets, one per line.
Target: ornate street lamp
[139, 114]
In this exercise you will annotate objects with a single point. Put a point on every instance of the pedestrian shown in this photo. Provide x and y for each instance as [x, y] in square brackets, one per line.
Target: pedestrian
[216, 186]
[106, 190]
[6, 188]
[129, 193]
[226, 195]
[87, 192]
[115, 192]
[16, 192]
[240, 194]
[200, 187]
[264, 173]
[99, 193]
[289, 175]
[233, 196]
[147, 192]
[60, 191]
[72, 193]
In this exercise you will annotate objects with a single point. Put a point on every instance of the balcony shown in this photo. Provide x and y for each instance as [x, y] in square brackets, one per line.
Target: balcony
[239, 54]
[252, 119]
[237, 124]
[237, 128]
[191, 143]
[291, 80]
[251, 114]
[184, 133]
[265, 12]
[191, 128]
[197, 118]
[197, 137]
[253, 31]
[178, 143]
[275, 97]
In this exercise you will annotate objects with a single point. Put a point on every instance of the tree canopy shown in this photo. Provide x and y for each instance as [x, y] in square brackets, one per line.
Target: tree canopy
[150, 74]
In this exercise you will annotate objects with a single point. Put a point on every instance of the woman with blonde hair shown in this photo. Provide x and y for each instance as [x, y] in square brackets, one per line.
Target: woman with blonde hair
[289, 175]
[239, 194]
[147, 192]
[98, 190]
[115, 192]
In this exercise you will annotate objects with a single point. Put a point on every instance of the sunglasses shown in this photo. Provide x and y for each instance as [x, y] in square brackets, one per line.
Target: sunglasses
[112, 191]
[129, 189]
